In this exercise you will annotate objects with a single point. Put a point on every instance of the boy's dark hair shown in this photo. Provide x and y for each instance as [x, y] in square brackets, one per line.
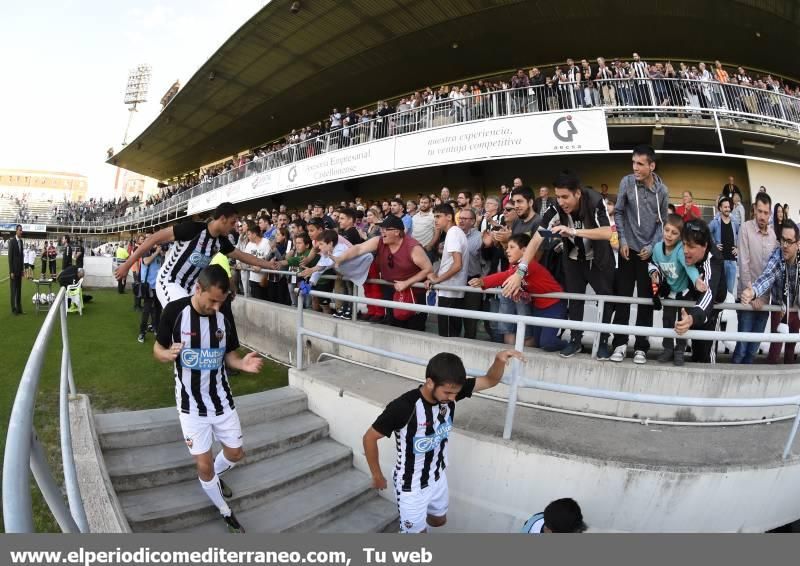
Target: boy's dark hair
[305, 237]
[675, 220]
[696, 232]
[349, 212]
[790, 224]
[214, 276]
[446, 368]
[398, 201]
[524, 191]
[444, 208]
[317, 223]
[564, 516]
[252, 226]
[318, 205]
[567, 180]
[522, 239]
[330, 237]
[225, 210]
[266, 218]
[764, 198]
[646, 151]
[300, 223]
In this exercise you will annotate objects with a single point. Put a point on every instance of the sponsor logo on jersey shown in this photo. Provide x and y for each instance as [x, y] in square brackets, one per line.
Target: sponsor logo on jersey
[202, 359]
[199, 260]
[423, 444]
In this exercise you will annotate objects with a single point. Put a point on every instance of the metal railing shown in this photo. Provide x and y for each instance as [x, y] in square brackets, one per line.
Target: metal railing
[24, 453]
[702, 103]
[599, 300]
[516, 380]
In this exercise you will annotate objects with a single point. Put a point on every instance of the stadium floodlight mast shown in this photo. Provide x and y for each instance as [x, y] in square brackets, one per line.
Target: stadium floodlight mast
[136, 92]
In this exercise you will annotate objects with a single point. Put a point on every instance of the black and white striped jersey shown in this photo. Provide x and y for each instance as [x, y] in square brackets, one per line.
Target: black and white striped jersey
[201, 380]
[421, 430]
[192, 251]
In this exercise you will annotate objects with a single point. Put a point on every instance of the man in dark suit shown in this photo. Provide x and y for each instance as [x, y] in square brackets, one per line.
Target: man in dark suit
[16, 253]
[544, 202]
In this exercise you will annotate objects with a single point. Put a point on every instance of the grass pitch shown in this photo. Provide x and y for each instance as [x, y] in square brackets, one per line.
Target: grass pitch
[108, 363]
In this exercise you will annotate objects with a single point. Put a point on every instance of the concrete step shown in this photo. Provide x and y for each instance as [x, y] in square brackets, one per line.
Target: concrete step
[156, 426]
[185, 504]
[152, 466]
[376, 515]
[307, 511]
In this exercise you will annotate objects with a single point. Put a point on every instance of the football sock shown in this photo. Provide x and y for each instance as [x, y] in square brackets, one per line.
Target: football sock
[222, 464]
[214, 492]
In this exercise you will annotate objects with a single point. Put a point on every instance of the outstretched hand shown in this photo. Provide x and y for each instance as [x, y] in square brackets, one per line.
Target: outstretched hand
[252, 362]
[505, 355]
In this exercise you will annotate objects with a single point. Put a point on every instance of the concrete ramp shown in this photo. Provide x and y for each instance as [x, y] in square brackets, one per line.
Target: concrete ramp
[294, 478]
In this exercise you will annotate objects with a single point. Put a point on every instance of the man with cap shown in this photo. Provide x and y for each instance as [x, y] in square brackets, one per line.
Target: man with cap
[400, 259]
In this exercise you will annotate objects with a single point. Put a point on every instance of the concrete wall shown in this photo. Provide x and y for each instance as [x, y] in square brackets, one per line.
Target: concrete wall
[496, 485]
[98, 272]
[782, 183]
[271, 328]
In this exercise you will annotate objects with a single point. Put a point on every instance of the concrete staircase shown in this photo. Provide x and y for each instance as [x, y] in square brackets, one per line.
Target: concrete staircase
[294, 478]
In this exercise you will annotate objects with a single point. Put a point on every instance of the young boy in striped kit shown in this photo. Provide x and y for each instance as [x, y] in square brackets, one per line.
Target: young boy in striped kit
[198, 338]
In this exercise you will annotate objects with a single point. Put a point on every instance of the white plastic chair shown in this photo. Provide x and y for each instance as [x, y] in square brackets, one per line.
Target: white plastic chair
[75, 298]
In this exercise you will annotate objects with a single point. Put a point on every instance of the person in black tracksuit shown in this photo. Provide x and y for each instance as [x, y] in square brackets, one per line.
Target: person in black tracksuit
[701, 252]
[584, 227]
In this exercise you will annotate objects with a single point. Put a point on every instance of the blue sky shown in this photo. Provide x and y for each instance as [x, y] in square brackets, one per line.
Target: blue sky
[65, 66]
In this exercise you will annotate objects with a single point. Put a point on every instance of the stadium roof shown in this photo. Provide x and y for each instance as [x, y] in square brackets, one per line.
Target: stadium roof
[283, 70]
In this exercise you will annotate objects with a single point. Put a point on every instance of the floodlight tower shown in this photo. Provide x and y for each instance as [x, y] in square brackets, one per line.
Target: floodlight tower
[136, 92]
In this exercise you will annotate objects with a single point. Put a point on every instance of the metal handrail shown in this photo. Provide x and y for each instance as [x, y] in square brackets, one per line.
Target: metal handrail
[565, 296]
[684, 98]
[516, 379]
[24, 453]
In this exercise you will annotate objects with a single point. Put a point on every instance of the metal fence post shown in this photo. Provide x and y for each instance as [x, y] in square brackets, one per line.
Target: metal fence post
[792, 434]
[49, 488]
[299, 345]
[601, 304]
[516, 370]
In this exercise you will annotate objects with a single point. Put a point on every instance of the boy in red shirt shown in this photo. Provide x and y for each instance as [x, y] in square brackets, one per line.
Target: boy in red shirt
[537, 281]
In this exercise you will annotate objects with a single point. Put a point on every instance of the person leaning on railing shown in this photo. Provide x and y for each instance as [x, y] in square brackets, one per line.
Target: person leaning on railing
[699, 250]
[585, 228]
[401, 260]
[782, 277]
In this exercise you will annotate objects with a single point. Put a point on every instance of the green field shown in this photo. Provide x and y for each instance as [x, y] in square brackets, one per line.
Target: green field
[108, 363]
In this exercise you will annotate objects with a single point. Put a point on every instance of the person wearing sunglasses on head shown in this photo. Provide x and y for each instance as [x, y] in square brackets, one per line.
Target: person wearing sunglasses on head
[700, 251]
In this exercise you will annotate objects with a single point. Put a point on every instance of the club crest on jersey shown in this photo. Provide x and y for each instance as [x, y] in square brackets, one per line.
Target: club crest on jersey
[408, 524]
[199, 260]
[423, 444]
[219, 334]
[189, 441]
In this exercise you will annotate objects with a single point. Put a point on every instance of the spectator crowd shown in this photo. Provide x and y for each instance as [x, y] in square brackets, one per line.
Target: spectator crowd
[524, 244]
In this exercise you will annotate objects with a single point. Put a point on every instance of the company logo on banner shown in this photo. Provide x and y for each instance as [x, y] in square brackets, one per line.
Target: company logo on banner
[531, 134]
[545, 133]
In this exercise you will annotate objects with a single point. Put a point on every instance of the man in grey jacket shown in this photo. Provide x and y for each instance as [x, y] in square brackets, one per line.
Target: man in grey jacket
[641, 208]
